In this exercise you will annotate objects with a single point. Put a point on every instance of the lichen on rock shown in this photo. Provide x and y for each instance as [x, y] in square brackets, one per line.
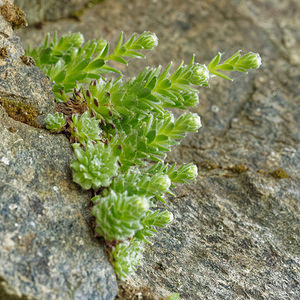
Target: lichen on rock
[13, 14]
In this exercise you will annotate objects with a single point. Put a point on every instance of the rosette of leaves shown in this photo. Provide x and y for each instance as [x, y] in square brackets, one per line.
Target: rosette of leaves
[126, 257]
[84, 128]
[118, 216]
[95, 165]
[56, 122]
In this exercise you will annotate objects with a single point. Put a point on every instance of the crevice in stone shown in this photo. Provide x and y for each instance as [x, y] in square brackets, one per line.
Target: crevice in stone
[20, 110]
[239, 110]
[5, 295]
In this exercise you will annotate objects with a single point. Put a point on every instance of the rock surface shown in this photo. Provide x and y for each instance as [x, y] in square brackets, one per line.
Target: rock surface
[48, 250]
[236, 233]
[47, 246]
[25, 91]
[50, 10]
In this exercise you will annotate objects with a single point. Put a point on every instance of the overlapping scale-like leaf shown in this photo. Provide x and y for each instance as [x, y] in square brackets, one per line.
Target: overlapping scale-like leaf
[95, 165]
[118, 216]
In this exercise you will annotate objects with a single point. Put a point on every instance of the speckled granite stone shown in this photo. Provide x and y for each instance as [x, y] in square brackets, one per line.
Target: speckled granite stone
[47, 248]
[236, 233]
[25, 91]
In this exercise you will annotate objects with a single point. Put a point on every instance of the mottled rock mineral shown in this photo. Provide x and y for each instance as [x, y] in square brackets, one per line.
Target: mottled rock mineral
[47, 248]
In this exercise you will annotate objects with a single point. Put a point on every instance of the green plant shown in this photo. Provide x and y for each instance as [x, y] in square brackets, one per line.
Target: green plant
[56, 122]
[123, 129]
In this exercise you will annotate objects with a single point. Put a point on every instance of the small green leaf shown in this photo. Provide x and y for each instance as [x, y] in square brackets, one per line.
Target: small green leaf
[214, 62]
[222, 75]
[81, 65]
[45, 56]
[225, 67]
[152, 83]
[120, 41]
[60, 76]
[119, 59]
[135, 54]
[151, 136]
[106, 69]
[104, 51]
[96, 64]
[165, 84]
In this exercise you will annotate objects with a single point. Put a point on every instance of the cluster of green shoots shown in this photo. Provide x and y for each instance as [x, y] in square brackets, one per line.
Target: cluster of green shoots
[121, 131]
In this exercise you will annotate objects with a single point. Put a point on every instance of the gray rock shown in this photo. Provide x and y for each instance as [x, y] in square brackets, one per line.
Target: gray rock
[48, 250]
[25, 91]
[236, 233]
[51, 10]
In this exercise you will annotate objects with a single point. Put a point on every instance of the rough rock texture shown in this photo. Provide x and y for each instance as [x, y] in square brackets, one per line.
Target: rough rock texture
[236, 233]
[51, 10]
[47, 248]
[25, 91]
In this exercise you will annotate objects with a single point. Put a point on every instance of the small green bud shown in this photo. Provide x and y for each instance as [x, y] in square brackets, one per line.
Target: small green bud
[164, 218]
[160, 183]
[189, 122]
[200, 75]
[73, 39]
[191, 172]
[183, 174]
[148, 40]
[190, 98]
[249, 61]
[55, 122]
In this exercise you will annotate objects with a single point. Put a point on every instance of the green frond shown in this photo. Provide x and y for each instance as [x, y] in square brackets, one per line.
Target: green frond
[150, 221]
[183, 174]
[236, 62]
[150, 136]
[68, 61]
[134, 182]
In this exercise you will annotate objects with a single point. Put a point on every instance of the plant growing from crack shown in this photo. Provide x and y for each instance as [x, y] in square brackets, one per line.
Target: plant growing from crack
[122, 129]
